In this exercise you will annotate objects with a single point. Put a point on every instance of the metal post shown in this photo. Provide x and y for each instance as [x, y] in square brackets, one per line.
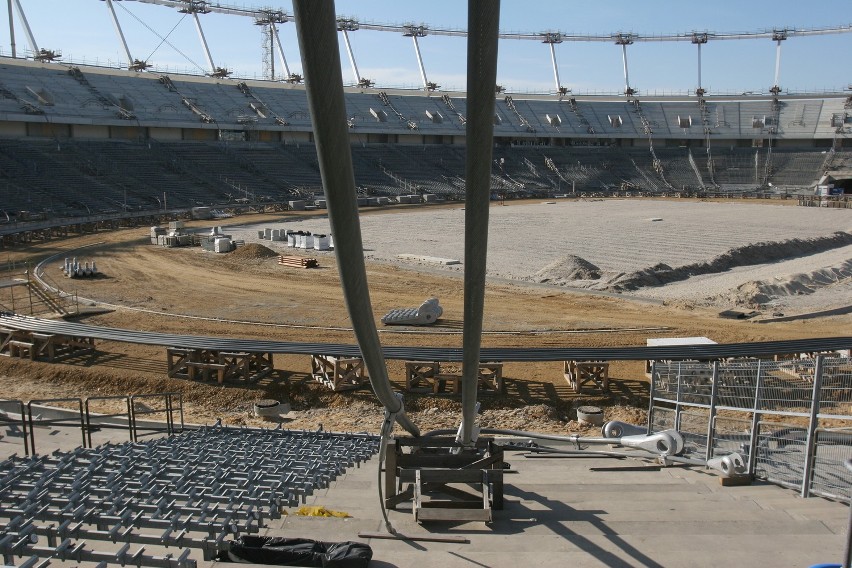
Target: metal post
[27, 30]
[420, 61]
[316, 28]
[351, 56]
[677, 394]
[810, 448]
[777, 62]
[271, 48]
[120, 32]
[847, 553]
[555, 67]
[699, 66]
[651, 394]
[482, 42]
[755, 419]
[280, 52]
[624, 60]
[711, 426]
[12, 29]
[204, 42]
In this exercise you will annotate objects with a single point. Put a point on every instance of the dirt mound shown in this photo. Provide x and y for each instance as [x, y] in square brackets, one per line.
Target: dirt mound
[757, 253]
[750, 294]
[757, 293]
[252, 251]
[567, 269]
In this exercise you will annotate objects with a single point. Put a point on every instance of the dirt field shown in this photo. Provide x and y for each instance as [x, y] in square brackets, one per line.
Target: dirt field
[146, 287]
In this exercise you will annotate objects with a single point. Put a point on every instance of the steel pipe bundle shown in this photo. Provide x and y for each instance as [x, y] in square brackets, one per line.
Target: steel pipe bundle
[447, 354]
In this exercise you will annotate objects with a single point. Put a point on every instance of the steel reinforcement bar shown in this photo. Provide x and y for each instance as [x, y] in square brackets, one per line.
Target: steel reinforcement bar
[448, 354]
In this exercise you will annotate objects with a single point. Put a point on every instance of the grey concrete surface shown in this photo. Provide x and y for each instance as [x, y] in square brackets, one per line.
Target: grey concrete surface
[560, 513]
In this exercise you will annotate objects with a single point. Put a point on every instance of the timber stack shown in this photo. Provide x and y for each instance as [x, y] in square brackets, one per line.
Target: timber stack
[298, 261]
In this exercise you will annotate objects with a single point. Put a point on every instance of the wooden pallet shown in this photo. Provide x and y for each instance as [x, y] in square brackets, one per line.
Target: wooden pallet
[298, 262]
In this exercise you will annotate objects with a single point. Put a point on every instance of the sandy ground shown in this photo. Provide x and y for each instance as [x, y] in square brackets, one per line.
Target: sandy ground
[189, 291]
[621, 237]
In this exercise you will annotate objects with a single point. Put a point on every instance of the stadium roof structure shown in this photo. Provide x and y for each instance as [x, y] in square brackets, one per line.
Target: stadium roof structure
[269, 20]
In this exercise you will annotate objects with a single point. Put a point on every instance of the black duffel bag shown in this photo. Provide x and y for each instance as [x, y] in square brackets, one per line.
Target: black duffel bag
[282, 551]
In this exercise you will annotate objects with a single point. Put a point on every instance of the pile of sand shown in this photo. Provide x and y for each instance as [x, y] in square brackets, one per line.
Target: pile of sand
[748, 255]
[757, 293]
[252, 251]
[567, 269]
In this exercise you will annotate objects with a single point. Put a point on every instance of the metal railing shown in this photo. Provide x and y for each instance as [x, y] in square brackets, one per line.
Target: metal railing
[25, 419]
[791, 419]
[13, 418]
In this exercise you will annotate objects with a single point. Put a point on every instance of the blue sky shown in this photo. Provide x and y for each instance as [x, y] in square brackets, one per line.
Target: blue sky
[82, 29]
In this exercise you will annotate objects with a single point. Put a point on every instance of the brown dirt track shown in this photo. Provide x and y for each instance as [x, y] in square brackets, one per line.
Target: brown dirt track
[165, 282]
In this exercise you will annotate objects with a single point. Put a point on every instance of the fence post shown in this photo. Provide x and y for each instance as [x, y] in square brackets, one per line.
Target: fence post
[678, 392]
[810, 447]
[711, 427]
[755, 418]
[651, 396]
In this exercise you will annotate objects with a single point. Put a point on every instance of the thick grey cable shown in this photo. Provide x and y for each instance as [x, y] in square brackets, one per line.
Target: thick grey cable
[483, 23]
[316, 26]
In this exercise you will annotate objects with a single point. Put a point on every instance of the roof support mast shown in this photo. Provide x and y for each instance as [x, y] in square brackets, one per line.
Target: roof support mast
[699, 40]
[346, 26]
[194, 11]
[30, 37]
[624, 40]
[777, 36]
[414, 32]
[553, 38]
[120, 33]
[12, 29]
[280, 51]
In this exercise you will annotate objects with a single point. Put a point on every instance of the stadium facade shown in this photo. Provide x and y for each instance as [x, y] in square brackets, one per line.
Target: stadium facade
[78, 139]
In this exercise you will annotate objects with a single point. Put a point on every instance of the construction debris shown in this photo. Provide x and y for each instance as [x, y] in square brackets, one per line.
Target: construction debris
[298, 239]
